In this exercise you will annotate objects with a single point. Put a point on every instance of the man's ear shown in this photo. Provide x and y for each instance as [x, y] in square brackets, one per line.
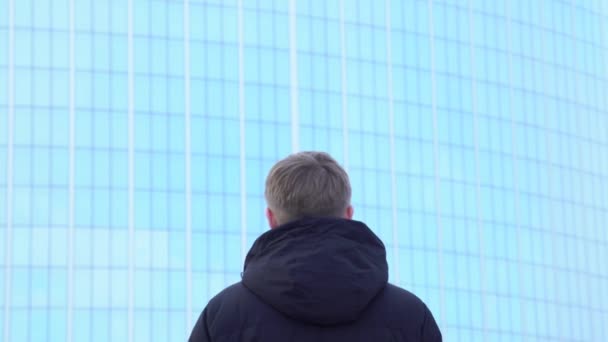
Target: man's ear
[272, 220]
[350, 212]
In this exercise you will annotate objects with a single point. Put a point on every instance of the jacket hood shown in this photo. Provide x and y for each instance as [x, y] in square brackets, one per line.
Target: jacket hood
[322, 271]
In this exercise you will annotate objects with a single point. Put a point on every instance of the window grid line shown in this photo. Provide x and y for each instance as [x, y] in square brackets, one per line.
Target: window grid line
[488, 82]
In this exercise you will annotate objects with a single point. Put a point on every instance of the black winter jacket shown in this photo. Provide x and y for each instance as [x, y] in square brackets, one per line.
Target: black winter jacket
[316, 279]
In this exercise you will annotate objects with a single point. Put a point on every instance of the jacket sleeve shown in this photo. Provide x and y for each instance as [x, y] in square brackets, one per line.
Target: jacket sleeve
[200, 332]
[430, 330]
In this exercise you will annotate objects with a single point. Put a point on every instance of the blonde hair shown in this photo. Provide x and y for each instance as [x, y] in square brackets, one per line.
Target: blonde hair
[307, 184]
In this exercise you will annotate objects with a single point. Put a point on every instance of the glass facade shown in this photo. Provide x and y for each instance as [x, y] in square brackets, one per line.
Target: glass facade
[135, 137]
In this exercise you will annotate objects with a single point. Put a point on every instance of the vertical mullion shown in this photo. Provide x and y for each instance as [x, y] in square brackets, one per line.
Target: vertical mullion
[131, 166]
[344, 87]
[293, 80]
[70, 247]
[242, 141]
[188, 162]
[516, 205]
[478, 217]
[578, 69]
[9, 171]
[437, 178]
[391, 120]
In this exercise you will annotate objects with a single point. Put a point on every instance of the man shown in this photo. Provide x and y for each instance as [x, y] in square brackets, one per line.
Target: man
[316, 275]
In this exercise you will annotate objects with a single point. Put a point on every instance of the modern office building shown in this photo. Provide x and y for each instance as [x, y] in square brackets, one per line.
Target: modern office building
[135, 137]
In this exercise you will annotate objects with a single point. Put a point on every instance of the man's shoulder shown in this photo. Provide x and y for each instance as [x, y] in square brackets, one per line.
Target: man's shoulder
[237, 307]
[231, 294]
[401, 296]
[233, 289]
[236, 297]
[394, 304]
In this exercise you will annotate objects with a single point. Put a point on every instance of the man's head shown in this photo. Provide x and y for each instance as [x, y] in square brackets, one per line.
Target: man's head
[307, 184]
